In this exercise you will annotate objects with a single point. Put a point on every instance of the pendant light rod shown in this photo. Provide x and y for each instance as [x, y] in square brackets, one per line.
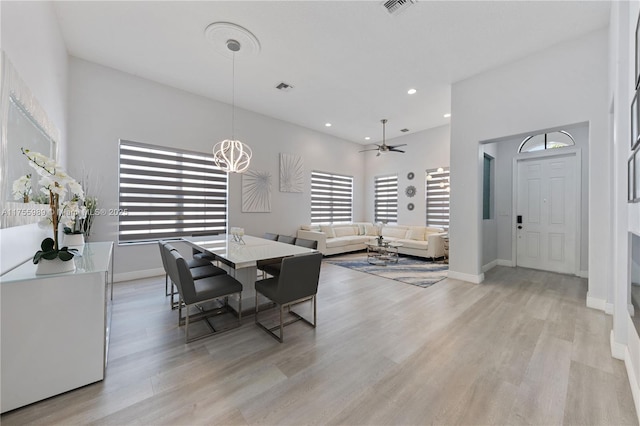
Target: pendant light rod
[231, 155]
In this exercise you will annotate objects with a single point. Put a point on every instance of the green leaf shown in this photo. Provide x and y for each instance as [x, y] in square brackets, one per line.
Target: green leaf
[65, 255]
[50, 255]
[67, 230]
[47, 244]
[37, 256]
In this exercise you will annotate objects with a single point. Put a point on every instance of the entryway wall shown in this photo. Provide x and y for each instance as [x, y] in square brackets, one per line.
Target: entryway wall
[497, 231]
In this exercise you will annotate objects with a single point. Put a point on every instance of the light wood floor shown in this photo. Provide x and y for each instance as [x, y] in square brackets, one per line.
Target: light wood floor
[521, 348]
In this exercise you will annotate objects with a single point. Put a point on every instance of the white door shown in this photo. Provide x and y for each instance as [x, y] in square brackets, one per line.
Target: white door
[547, 214]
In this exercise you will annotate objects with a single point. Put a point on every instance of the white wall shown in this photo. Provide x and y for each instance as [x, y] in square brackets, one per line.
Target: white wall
[107, 105]
[506, 150]
[428, 149]
[31, 39]
[625, 341]
[563, 84]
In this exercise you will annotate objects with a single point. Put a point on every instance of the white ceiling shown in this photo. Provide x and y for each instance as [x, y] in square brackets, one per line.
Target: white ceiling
[350, 62]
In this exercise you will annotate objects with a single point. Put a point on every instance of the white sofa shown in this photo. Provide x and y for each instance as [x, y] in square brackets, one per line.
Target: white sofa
[419, 241]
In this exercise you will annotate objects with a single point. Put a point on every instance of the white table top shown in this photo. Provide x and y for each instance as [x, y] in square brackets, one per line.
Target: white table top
[245, 255]
[92, 257]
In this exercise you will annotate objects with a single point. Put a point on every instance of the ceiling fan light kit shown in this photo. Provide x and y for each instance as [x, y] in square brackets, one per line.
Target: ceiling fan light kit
[384, 147]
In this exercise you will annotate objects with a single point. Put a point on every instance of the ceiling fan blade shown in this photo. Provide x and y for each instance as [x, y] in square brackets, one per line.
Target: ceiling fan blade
[396, 150]
[371, 149]
[396, 146]
[378, 154]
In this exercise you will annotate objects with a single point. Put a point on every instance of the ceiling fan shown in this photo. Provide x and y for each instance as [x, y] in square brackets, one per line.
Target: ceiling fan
[384, 147]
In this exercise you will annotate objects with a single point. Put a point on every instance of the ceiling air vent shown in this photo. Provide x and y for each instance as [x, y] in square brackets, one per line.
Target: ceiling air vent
[404, 130]
[284, 87]
[395, 7]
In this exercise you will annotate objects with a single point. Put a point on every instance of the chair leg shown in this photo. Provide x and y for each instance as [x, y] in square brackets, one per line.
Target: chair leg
[315, 311]
[180, 312]
[166, 284]
[256, 315]
[239, 309]
[186, 334]
[281, 324]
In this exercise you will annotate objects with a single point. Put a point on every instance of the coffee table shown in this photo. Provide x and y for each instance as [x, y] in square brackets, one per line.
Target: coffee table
[382, 254]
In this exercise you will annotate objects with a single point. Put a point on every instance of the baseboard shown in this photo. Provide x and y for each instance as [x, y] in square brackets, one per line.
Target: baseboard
[136, 275]
[583, 274]
[476, 279]
[618, 350]
[595, 303]
[631, 309]
[490, 266]
[608, 308]
[633, 381]
[505, 262]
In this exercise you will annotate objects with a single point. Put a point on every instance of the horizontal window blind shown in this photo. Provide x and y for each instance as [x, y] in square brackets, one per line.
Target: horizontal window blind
[437, 184]
[331, 198]
[386, 199]
[169, 193]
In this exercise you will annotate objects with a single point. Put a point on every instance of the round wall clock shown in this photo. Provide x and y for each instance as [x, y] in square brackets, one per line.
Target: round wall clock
[410, 206]
[410, 175]
[410, 191]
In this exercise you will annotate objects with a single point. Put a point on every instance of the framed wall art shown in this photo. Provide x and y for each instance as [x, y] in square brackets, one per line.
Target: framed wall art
[291, 173]
[256, 191]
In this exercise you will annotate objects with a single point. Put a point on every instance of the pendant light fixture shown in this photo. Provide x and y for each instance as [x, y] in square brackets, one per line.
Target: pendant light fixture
[231, 155]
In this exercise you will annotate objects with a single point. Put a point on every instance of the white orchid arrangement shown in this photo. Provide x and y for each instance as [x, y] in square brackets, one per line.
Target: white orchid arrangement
[55, 182]
[74, 213]
[22, 188]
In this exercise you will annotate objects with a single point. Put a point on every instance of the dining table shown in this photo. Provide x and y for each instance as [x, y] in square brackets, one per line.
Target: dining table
[240, 258]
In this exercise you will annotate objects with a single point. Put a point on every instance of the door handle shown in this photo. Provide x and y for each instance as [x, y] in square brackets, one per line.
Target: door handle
[519, 226]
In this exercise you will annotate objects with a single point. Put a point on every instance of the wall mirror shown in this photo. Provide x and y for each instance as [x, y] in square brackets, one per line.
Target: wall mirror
[23, 124]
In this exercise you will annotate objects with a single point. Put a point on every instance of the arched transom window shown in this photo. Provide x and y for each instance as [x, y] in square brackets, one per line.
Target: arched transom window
[544, 141]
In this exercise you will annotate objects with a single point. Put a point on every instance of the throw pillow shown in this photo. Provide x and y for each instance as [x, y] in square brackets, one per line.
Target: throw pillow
[394, 231]
[361, 230]
[416, 234]
[344, 231]
[371, 230]
[328, 231]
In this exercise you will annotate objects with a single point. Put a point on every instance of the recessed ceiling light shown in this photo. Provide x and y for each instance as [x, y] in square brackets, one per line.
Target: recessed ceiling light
[411, 91]
[367, 138]
[327, 124]
[447, 115]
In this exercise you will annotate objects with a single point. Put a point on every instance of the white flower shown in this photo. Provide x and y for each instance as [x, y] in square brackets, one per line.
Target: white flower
[22, 187]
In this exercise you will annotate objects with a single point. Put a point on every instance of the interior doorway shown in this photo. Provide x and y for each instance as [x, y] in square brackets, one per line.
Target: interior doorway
[546, 225]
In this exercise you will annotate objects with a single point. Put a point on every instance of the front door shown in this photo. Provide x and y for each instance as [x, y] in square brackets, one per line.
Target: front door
[547, 213]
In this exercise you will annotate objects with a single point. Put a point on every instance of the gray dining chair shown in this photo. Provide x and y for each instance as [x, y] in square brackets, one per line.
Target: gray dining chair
[199, 269]
[203, 255]
[270, 236]
[209, 289]
[296, 283]
[303, 242]
[286, 239]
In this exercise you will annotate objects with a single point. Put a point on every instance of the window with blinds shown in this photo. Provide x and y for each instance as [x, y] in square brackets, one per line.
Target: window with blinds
[437, 195]
[331, 198]
[168, 193]
[386, 199]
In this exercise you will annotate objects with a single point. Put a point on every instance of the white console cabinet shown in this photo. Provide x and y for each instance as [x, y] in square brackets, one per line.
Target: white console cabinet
[55, 328]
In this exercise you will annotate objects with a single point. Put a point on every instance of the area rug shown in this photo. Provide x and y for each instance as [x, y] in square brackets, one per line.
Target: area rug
[409, 270]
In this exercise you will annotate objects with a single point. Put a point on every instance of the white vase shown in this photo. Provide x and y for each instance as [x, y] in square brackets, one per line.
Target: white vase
[73, 240]
[55, 266]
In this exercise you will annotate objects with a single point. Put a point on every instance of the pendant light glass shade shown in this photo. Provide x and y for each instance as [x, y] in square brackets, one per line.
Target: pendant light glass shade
[232, 156]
